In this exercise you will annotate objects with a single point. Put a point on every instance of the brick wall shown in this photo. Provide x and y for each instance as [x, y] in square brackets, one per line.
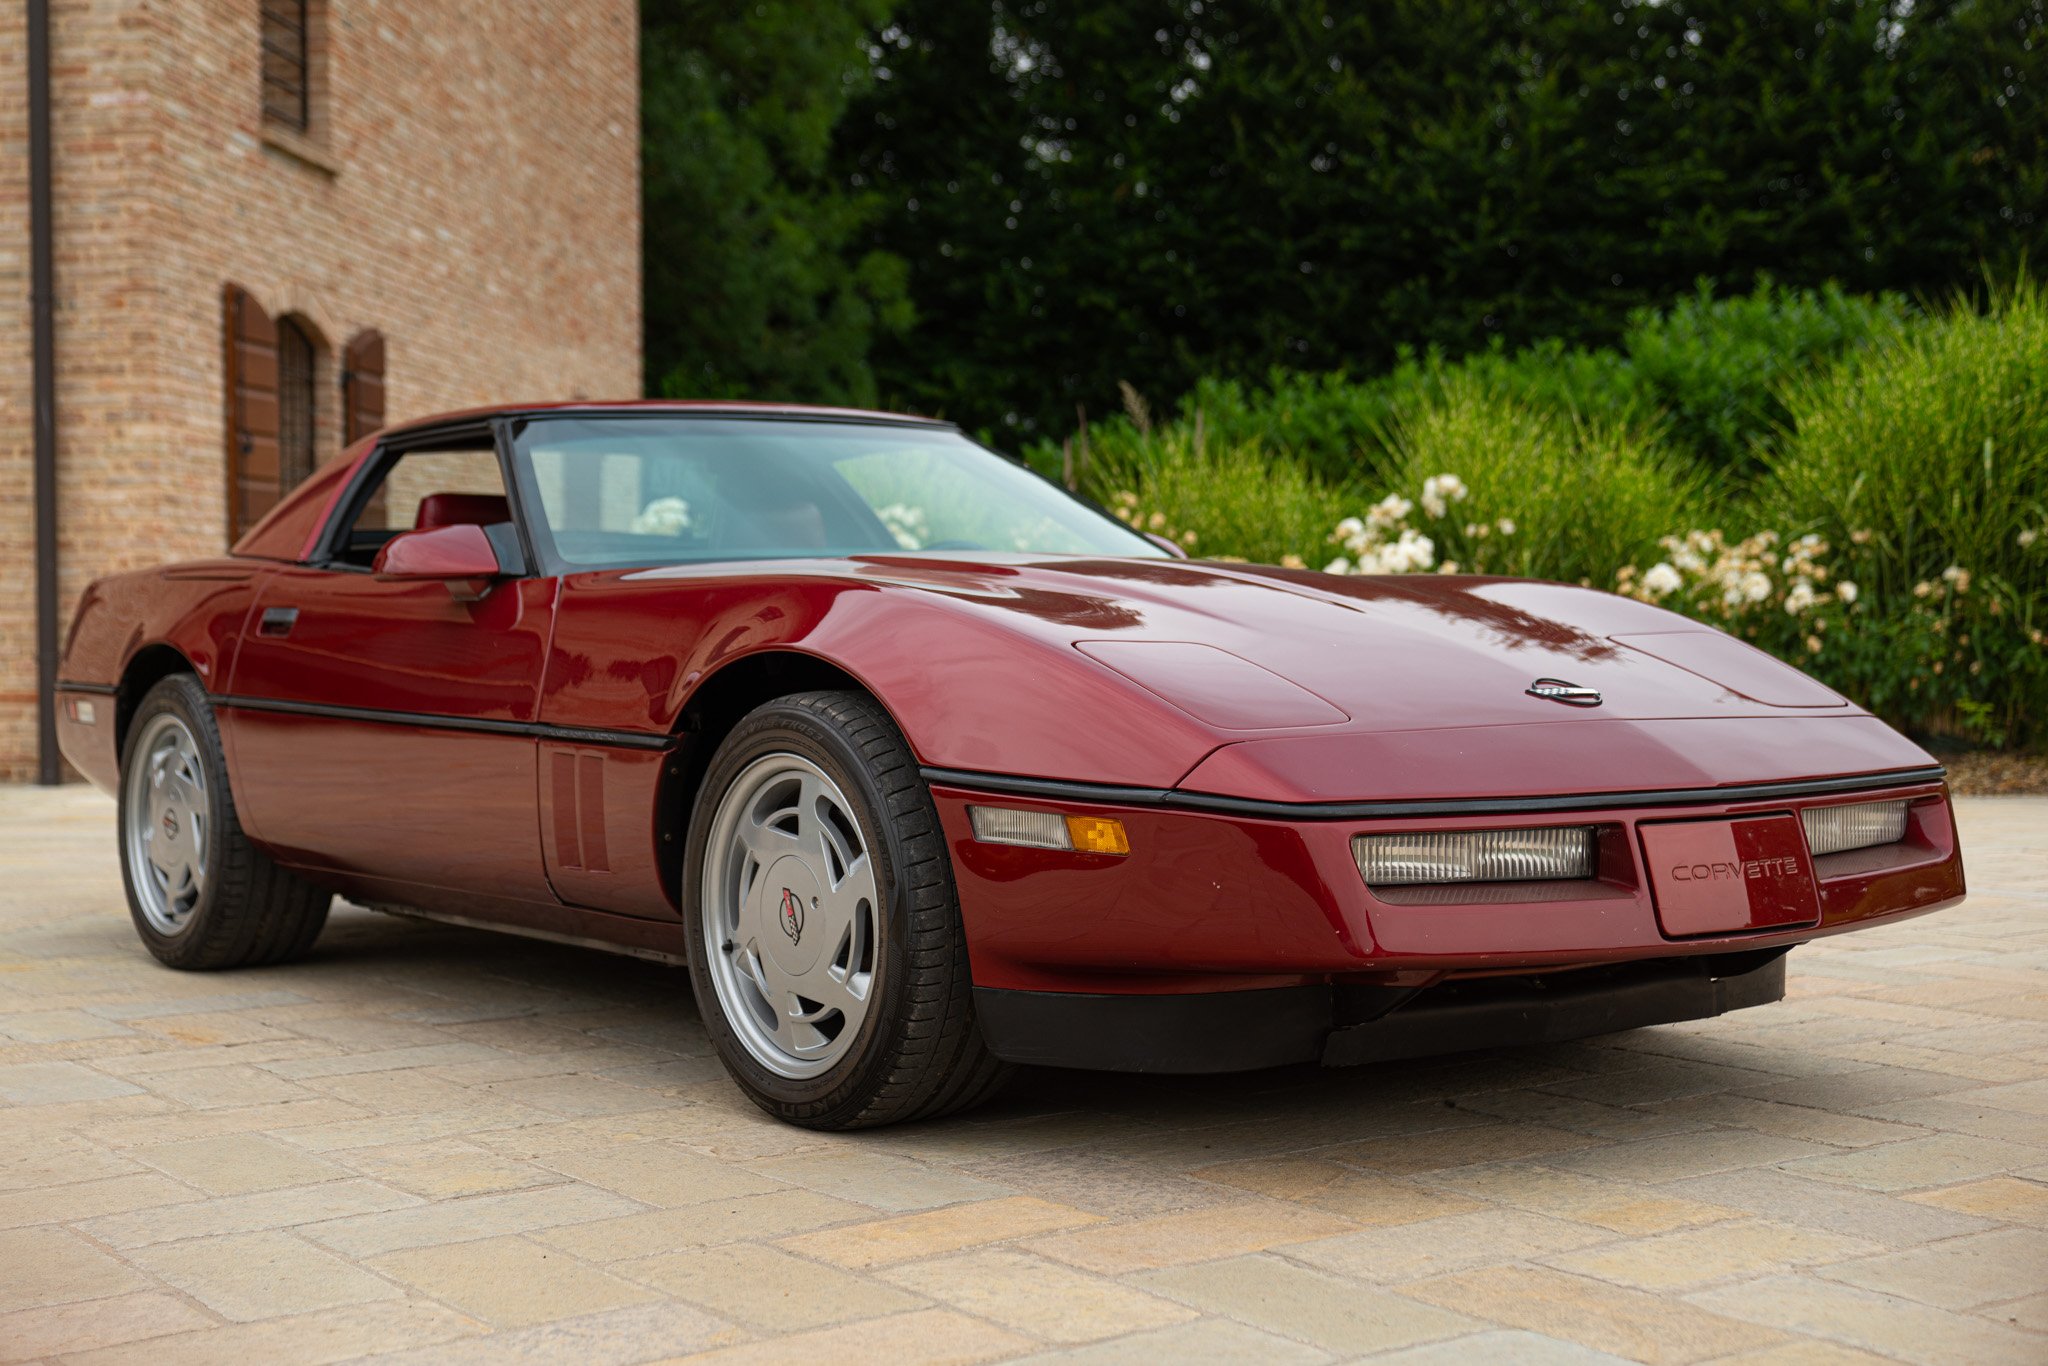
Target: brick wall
[470, 189]
[17, 514]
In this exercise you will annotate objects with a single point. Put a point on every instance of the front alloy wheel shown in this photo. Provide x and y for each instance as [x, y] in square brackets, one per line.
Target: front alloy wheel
[826, 948]
[789, 902]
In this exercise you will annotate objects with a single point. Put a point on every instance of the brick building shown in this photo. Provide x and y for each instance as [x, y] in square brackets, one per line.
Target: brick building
[277, 223]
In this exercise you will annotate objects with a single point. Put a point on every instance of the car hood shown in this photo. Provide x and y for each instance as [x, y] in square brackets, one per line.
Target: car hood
[1296, 685]
[1246, 648]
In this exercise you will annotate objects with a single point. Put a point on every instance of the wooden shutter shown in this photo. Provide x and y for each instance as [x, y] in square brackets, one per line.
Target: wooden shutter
[362, 387]
[252, 453]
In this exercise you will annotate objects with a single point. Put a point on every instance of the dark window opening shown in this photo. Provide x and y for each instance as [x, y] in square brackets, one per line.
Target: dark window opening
[287, 83]
[453, 481]
[294, 405]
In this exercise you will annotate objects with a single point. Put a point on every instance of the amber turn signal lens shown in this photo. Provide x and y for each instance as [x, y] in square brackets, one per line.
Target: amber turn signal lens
[1049, 830]
[1098, 835]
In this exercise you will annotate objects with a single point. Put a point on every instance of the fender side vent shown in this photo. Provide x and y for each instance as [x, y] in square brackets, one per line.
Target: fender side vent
[577, 796]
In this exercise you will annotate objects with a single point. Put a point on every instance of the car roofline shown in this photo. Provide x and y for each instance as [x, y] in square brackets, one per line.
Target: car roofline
[645, 407]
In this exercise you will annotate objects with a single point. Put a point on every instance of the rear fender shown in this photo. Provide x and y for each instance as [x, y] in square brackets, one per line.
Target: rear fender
[129, 631]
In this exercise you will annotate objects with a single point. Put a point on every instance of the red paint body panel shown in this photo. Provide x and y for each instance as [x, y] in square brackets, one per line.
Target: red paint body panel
[499, 795]
[600, 833]
[195, 611]
[978, 662]
[977, 676]
[1724, 877]
[1555, 757]
[399, 646]
[1208, 901]
[461, 551]
[1747, 672]
[412, 802]
[449, 812]
[1213, 686]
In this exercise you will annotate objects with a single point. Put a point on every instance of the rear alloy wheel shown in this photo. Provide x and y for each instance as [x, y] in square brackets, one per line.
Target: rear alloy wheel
[166, 824]
[201, 895]
[825, 940]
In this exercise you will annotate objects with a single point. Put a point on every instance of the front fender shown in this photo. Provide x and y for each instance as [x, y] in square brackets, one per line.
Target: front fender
[968, 689]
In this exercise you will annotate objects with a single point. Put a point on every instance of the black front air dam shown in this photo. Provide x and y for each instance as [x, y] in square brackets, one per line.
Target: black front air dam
[1239, 1031]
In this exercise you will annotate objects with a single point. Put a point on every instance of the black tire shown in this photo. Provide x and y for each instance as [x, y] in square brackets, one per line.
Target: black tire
[918, 1054]
[247, 911]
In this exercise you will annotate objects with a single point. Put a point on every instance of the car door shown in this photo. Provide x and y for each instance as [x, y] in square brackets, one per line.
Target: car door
[382, 732]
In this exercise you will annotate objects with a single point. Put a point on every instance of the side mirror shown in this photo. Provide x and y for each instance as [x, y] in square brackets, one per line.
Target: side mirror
[1167, 544]
[460, 556]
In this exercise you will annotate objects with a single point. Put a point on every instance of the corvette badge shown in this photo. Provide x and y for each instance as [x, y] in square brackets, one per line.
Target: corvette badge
[1571, 694]
[792, 916]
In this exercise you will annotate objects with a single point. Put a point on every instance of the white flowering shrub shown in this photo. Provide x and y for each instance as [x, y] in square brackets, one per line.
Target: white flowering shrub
[1925, 462]
[1791, 596]
[1785, 597]
[1388, 540]
[1896, 518]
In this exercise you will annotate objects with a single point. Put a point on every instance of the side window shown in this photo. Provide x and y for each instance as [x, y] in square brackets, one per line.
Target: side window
[443, 485]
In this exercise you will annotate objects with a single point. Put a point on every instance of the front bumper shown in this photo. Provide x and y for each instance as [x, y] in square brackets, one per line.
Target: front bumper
[1223, 901]
[1238, 1031]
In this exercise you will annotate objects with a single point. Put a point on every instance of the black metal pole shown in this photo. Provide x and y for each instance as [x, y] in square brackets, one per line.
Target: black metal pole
[43, 314]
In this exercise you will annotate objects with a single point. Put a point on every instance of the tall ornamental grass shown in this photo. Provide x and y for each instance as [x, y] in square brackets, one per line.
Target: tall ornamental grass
[1925, 465]
[1862, 492]
[1216, 500]
[1542, 495]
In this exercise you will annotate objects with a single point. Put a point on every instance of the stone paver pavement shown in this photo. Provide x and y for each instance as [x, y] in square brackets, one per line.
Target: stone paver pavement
[446, 1146]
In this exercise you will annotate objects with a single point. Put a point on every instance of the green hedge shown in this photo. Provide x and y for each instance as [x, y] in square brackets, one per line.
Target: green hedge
[1860, 489]
[1925, 465]
[1705, 373]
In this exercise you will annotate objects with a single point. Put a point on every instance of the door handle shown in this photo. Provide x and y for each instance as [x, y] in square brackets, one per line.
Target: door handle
[277, 621]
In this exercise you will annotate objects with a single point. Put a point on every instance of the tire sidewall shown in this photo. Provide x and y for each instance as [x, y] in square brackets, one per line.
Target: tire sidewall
[180, 696]
[783, 727]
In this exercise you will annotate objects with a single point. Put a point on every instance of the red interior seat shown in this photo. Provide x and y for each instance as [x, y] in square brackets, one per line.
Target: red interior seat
[461, 509]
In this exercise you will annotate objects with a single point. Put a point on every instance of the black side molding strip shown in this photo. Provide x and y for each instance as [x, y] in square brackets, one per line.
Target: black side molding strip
[97, 689]
[1052, 789]
[617, 739]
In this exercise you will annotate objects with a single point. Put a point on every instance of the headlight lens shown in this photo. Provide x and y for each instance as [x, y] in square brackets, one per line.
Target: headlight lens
[1476, 856]
[1835, 829]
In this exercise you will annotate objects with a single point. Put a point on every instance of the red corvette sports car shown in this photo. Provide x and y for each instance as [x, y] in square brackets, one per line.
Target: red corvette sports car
[924, 767]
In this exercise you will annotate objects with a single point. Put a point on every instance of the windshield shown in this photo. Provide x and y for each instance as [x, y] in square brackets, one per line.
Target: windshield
[638, 492]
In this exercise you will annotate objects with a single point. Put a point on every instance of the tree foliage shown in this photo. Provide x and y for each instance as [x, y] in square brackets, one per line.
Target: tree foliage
[758, 284]
[1159, 190]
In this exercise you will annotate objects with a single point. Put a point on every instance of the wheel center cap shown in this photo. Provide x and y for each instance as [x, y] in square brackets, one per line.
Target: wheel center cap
[790, 932]
[170, 823]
